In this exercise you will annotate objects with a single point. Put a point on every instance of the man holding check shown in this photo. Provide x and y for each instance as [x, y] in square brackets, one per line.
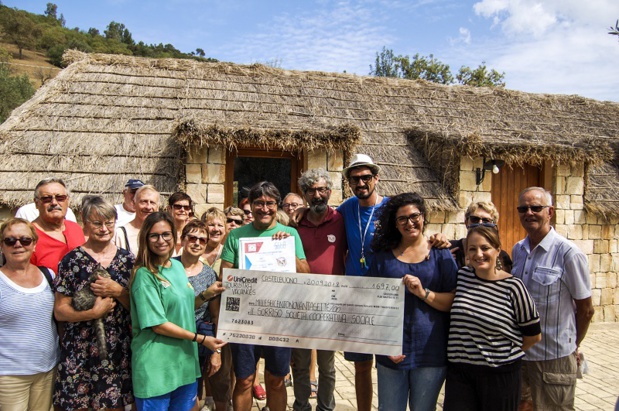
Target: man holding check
[263, 199]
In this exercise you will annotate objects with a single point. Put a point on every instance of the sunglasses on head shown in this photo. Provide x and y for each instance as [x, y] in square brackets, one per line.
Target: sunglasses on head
[11, 241]
[356, 179]
[535, 209]
[234, 220]
[477, 220]
[58, 197]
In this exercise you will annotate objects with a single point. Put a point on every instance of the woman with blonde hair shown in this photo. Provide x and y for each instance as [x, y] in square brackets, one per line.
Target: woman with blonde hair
[164, 354]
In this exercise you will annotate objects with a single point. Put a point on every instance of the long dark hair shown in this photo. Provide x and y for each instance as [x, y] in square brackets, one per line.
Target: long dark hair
[387, 237]
[145, 257]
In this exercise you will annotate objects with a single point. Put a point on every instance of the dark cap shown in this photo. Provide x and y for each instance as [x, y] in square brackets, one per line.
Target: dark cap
[134, 184]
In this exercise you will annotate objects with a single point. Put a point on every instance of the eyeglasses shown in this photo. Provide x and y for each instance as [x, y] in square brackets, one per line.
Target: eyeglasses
[179, 207]
[11, 241]
[403, 220]
[476, 220]
[319, 190]
[356, 179]
[490, 225]
[262, 204]
[99, 224]
[234, 220]
[535, 209]
[290, 205]
[154, 237]
[194, 238]
[58, 197]
[247, 212]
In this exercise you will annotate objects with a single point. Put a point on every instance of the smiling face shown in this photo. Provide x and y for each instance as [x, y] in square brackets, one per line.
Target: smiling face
[180, 212]
[535, 222]
[409, 222]
[249, 217]
[216, 230]
[362, 182]
[194, 243]
[481, 254]
[99, 228]
[146, 203]
[161, 239]
[17, 253]
[264, 209]
[52, 202]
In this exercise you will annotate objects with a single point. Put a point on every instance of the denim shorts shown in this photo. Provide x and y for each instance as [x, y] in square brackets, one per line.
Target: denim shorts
[246, 356]
[181, 399]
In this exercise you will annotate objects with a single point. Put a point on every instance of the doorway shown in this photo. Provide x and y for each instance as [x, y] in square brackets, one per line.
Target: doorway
[246, 167]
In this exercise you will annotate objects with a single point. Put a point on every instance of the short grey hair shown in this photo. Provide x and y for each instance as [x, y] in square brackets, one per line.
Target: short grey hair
[97, 205]
[311, 177]
[47, 181]
[542, 190]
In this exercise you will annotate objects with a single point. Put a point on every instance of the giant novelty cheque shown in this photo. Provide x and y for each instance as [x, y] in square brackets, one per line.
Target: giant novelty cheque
[267, 303]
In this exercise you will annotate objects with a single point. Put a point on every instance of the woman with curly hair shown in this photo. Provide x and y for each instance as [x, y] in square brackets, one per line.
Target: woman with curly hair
[429, 274]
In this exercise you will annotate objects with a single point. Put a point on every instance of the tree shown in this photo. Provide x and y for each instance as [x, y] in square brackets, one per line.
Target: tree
[14, 90]
[200, 52]
[480, 77]
[429, 68]
[614, 30]
[118, 31]
[19, 29]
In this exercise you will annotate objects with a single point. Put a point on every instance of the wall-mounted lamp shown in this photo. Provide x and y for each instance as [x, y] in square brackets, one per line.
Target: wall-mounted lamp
[490, 165]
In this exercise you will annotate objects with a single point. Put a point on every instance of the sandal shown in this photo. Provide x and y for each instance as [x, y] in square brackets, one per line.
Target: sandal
[259, 392]
[314, 392]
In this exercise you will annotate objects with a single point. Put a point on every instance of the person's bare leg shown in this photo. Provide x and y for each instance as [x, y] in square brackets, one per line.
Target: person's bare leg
[363, 385]
[312, 369]
[241, 397]
[276, 392]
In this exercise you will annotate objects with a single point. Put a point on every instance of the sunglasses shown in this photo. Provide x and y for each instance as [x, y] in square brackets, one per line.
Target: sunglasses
[195, 238]
[535, 209]
[356, 179]
[179, 207]
[58, 197]
[477, 220]
[154, 237]
[11, 241]
[403, 220]
[234, 220]
[485, 224]
[247, 212]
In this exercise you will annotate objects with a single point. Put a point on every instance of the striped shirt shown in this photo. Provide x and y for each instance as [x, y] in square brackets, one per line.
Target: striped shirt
[556, 273]
[489, 319]
[28, 337]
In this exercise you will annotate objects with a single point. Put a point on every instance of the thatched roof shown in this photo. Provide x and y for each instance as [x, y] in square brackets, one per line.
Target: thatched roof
[107, 118]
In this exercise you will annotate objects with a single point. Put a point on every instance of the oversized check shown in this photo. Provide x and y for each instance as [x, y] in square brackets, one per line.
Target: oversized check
[318, 311]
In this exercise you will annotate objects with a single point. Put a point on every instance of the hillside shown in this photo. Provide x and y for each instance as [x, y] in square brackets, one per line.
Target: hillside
[34, 64]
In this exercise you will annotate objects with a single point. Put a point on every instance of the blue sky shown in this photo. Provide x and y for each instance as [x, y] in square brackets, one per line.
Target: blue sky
[543, 46]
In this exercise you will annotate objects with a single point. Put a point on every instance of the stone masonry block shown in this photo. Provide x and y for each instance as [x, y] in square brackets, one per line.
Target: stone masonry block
[563, 170]
[336, 197]
[580, 217]
[482, 196]
[596, 296]
[607, 296]
[592, 279]
[559, 216]
[605, 262]
[598, 316]
[609, 314]
[197, 155]
[611, 281]
[335, 161]
[467, 181]
[600, 246]
[575, 185]
[197, 192]
[578, 170]
[201, 208]
[574, 232]
[317, 159]
[216, 155]
[465, 198]
[213, 173]
[600, 280]
[586, 246]
[594, 263]
[595, 232]
[563, 202]
[466, 164]
[193, 173]
[438, 217]
[215, 193]
[569, 217]
[562, 229]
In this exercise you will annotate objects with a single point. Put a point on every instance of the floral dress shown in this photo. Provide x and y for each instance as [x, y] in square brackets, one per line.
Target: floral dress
[83, 380]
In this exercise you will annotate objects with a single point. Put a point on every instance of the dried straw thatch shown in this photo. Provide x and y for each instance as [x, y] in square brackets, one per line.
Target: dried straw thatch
[107, 118]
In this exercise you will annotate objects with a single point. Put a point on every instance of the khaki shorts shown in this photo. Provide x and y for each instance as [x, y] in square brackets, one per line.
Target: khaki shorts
[551, 384]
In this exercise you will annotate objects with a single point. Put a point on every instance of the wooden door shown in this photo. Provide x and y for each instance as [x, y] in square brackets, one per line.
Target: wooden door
[505, 189]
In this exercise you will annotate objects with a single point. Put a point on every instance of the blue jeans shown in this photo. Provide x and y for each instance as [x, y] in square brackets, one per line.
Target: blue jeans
[420, 386]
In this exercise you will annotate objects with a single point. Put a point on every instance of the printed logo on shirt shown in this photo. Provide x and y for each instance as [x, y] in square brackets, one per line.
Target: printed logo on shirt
[331, 238]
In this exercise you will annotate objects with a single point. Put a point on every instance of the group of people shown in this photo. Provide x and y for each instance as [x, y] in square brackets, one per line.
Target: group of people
[472, 317]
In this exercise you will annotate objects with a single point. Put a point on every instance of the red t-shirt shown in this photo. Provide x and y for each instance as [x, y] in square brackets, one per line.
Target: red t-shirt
[50, 251]
[324, 244]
